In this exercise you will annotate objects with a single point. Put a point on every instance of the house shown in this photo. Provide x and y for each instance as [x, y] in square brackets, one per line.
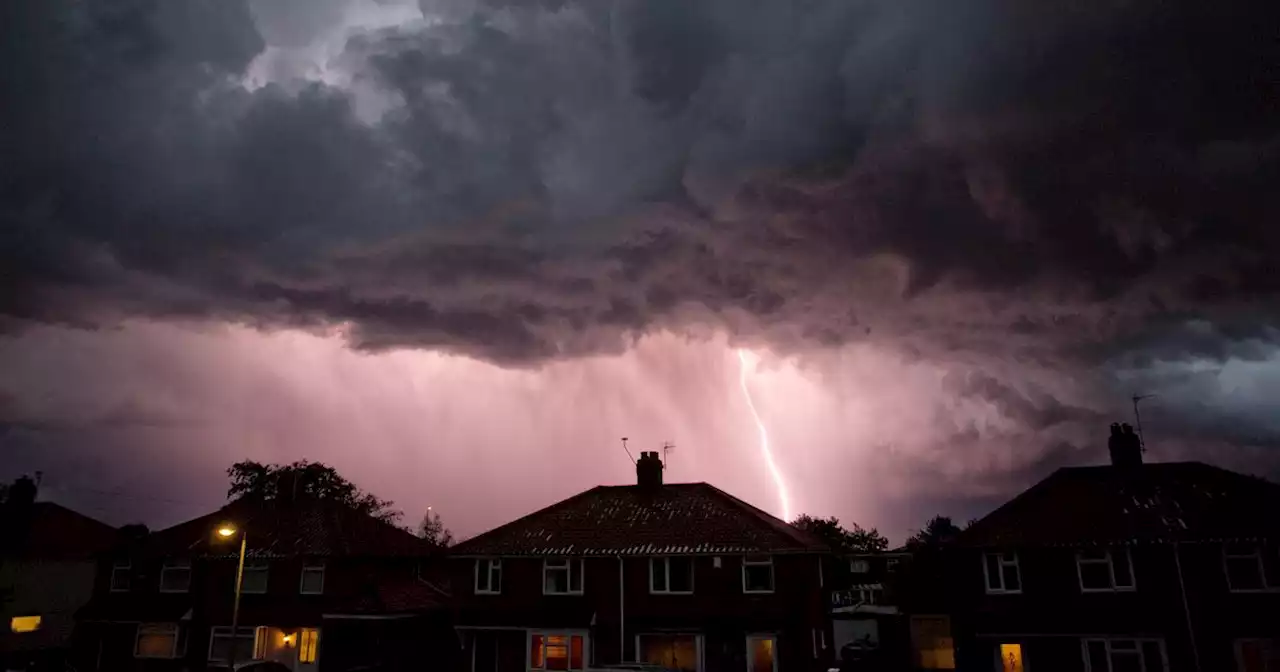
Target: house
[1154, 567]
[683, 575]
[893, 612]
[47, 562]
[324, 589]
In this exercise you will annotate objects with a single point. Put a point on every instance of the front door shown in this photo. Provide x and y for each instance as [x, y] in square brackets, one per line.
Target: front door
[762, 653]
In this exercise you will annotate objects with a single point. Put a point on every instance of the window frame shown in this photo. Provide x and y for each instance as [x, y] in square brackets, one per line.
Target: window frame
[568, 634]
[117, 566]
[1257, 555]
[172, 564]
[1137, 642]
[755, 561]
[256, 650]
[256, 565]
[569, 566]
[698, 645]
[1001, 563]
[302, 578]
[666, 563]
[1110, 560]
[752, 636]
[169, 628]
[490, 564]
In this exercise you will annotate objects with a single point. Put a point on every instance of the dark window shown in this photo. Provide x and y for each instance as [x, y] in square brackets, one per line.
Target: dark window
[1124, 655]
[1244, 567]
[121, 573]
[255, 576]
[1003, 575]
[1107, 569]
[757, 574]
[488, 576]
[671, 575]
[312, 580]
[175, 576]
[562, 577]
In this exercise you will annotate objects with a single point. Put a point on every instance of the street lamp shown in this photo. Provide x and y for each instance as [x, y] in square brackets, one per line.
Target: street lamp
[227, 531]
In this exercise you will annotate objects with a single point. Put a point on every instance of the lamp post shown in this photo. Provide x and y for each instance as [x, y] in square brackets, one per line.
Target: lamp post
[226, 532]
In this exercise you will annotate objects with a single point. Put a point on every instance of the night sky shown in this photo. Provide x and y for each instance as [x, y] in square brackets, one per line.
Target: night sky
[458, 248]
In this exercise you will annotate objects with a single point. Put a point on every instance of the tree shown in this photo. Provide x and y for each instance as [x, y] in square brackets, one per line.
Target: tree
[839, 538]
[432, 529]
[938, 531]
[304, 480]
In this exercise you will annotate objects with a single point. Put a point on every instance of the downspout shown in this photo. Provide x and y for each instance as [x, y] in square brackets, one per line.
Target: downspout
[622, 615]
[1186, 606]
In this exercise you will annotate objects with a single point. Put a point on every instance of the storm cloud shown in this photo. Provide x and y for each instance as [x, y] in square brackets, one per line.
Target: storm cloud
[1047, 206]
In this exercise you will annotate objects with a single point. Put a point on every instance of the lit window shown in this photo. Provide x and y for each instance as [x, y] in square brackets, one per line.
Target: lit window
[308, 645]
[556, 651]
[931, 643]
[255, 576]
[1002, 572]
[175, 576]
[488, 576]
[1122, 655]
[562, 577]
[156, 640]
[757, 574]
[312, 582]
[1103, 570]
[672, 652]
[121, 572]
[24, 623]
[250, 644]
[671, 575]
[1011, 658]
[1245, 571]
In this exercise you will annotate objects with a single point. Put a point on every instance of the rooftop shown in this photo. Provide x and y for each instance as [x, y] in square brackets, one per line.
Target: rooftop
[1150, 503]
[49, 531]
[672, 519]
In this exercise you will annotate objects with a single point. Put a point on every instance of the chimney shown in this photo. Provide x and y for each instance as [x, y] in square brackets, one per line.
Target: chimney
[1125, 447]
[23, 492]
[649, 470]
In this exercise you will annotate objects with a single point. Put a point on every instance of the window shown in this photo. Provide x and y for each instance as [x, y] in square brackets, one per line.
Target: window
[562, 577]
[859, 566]
[21, 624]
[156, 640]
[1258, 655]
[250, 644]
[757, 574]
[312, 582]
[308, 643]
[121, 572]
[1124, 655]
[1104, 570]
[671, 575]
[1002, 572]
[175, 576]
[488, 576]
[255, 577]
[1011, 658]
[556, 651]
[671, 651]
[761, 650]
[931, 645]
[1245, 571]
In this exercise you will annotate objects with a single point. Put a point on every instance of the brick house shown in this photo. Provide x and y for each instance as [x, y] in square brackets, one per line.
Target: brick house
[682, 575]
[47, 562]
[1152, 567]
[325, 589]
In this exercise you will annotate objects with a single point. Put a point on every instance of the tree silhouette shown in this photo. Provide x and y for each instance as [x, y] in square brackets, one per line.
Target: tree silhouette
[302, 481]
[937, 532]
[840, 539]
[432, 530]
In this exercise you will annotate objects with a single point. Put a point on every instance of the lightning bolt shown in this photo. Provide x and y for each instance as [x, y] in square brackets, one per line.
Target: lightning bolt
[764, 438]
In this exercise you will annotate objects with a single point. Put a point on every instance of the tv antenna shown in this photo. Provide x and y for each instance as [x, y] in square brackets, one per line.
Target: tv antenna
[624, 447]
[1137, 416]
[666, 446]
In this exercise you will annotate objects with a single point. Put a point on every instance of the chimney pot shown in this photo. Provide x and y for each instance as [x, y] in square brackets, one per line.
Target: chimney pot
[1124, 446]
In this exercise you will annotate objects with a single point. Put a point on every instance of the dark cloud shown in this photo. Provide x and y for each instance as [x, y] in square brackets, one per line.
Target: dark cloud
[1037, 195]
